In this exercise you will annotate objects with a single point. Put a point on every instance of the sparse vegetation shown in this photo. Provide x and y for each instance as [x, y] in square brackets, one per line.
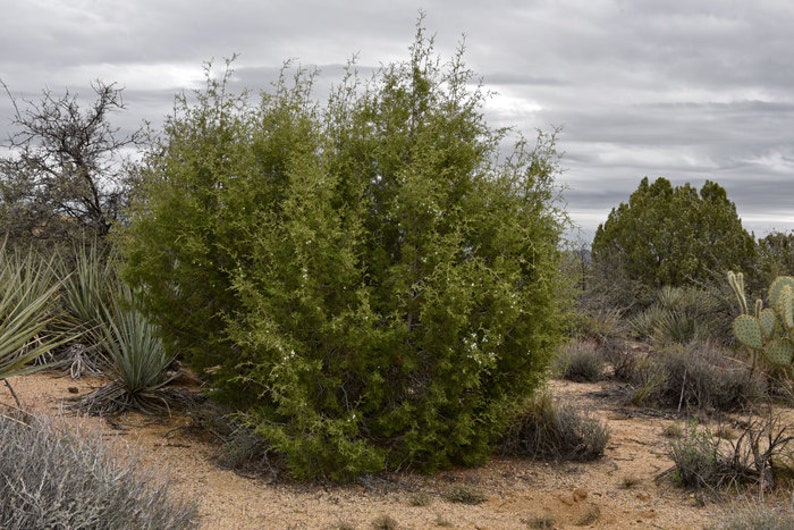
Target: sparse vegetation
[541, 522]
[59, 479]
[753, 515]
[579, 361]
[385, 522]
[420, 499]
[590, 516]
[628, 482]
[755, 457]
[696, 377]
[549, 430]
[673, 430]
[465, 494]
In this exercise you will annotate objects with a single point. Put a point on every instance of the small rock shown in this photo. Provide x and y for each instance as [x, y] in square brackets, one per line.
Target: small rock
[73, 390]
[579, 494]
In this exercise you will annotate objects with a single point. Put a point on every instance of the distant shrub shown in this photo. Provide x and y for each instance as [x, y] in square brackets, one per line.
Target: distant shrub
[579, 361]
[548, 430]
[623, 360]
[666, 235]
[698, 376]
[60, 480]
[760, 451]
[599, 324]
[680, 315]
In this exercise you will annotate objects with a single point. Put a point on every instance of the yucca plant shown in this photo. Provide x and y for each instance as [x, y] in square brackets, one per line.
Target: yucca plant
[27, 296]
[139, 364]
[89, 283]
[89, 280]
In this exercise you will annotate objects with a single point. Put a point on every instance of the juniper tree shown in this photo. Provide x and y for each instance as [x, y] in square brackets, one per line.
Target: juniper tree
[372, 283]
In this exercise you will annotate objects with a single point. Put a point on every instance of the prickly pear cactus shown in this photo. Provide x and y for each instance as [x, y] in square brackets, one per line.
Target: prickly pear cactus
[780, 352]
[769, 333]
[768, 322]
[747, 330]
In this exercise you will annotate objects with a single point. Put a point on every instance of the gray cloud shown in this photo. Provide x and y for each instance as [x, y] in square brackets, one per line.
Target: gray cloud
[684, 89]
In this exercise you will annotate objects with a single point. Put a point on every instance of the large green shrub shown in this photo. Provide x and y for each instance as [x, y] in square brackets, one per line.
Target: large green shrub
[371, 282]
[673, 236]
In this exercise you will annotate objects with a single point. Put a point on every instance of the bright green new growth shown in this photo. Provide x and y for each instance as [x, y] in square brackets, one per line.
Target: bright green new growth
[770, 332]
[373, 283]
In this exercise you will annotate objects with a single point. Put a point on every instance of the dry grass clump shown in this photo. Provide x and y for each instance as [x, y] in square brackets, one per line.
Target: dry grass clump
[759, 455]
[580, 361]
[550, 430]
[385, 522]
[541, 522]
[757, 516]
[465, 494]
[699, 376]
[58, 479]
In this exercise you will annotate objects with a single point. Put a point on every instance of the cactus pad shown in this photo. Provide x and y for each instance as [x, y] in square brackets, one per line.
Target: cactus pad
[784, 305]
[777, 287]
[768, 322]
[747, 330]
[779, 352]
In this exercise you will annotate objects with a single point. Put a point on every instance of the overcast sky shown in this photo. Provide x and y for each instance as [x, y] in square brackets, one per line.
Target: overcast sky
[685, 89]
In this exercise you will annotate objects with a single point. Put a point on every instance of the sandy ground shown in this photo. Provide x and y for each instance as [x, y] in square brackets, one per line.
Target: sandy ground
[618, 491]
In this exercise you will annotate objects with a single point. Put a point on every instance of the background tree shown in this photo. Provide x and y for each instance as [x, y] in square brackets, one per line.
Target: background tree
[64, 175]
[372, 284]
[776, 256]
[673, 236]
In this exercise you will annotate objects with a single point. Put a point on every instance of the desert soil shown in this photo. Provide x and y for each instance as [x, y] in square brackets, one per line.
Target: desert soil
[620, 490]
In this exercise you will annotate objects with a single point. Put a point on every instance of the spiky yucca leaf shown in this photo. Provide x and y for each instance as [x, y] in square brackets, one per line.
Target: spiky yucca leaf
[89, 279]
[137, 359]
[26, 314]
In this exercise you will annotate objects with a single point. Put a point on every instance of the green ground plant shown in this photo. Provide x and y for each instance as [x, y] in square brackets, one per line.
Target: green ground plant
[681, 315]
[373, 283]
[28, 313]
[89, 285]
[138, 362]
